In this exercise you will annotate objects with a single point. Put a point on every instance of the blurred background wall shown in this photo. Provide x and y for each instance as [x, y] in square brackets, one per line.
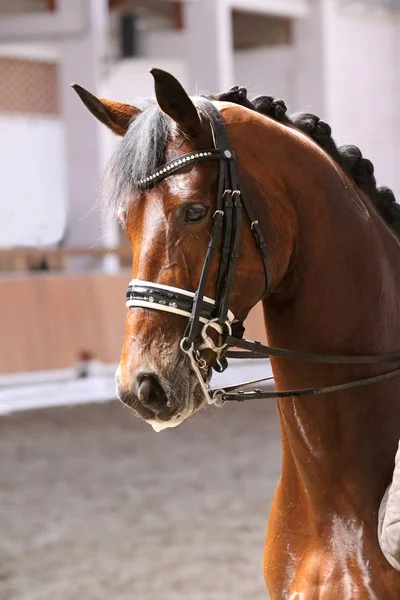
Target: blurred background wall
[64, 266]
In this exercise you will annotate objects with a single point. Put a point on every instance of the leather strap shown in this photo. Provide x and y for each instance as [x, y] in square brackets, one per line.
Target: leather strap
[266, 351]
[191, 330]
[241, 396]
[222, 142]
[218, 128]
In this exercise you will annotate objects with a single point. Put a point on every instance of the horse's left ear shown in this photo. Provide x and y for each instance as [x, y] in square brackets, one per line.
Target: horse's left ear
[174, 101]
[115, 115]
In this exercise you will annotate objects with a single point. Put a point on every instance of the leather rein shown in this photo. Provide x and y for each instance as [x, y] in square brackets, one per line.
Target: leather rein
[214, 313]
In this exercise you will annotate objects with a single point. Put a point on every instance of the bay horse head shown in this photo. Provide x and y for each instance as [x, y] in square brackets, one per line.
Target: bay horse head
[169, 219]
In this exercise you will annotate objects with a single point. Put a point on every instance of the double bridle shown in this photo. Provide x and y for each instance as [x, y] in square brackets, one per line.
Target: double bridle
[214, 314]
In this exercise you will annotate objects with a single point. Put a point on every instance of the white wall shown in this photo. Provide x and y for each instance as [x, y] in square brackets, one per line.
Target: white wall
[129, 79]
[30, 51]
[169, 44]
[267, 71]
[32, 168]
[33, 201]
[343, 66]
[32, 175]
[309, 55]
[362, 100]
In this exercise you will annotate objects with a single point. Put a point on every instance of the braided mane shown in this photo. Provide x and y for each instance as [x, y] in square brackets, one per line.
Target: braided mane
[349, 158]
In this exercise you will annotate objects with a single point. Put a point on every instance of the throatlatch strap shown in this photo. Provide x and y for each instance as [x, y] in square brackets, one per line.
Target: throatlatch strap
[222, 216]
[221, 140]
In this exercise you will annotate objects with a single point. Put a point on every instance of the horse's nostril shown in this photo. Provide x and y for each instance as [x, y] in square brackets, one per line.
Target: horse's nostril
[151, 393]
[145, 389]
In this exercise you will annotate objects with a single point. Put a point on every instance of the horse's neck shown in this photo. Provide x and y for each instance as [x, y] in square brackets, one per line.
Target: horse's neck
[344, 287]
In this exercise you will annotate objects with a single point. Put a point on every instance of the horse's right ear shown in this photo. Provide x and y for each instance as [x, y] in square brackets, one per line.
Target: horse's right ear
[115, 115]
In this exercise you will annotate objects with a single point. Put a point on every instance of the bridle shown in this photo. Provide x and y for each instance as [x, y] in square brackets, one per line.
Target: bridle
[208, 313]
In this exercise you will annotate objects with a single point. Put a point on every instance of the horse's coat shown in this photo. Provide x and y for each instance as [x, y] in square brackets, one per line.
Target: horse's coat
[336, 286]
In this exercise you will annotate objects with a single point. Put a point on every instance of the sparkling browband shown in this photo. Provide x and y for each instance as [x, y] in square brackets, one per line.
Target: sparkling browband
[145, 294]
[178, 163]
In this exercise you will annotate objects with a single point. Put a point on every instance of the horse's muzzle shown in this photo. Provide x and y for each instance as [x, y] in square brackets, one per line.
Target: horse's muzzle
[148, 397]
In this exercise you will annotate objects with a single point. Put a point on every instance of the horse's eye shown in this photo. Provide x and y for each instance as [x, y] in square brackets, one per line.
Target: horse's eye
[195, 212]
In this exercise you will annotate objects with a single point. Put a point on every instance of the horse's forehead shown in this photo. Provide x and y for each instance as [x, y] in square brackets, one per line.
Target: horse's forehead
[173, 190]
[147, 205]
[176, 145]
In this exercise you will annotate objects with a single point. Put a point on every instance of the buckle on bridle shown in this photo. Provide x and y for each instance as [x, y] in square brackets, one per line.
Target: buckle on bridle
[218, 397]
[208, 341]
[197, 363]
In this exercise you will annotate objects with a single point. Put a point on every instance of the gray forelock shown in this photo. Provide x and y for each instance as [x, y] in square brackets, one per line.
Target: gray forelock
[140, 152]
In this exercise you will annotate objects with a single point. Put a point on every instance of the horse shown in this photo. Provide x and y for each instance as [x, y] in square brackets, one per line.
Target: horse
[326, 266]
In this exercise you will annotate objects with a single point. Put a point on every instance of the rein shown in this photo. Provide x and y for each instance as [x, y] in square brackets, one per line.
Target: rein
[214, 313]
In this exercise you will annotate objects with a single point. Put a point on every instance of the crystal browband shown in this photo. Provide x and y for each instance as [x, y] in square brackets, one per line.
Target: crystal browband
[145, 294]
[178, 163]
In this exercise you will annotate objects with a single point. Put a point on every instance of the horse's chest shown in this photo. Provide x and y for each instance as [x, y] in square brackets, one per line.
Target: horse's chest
[328, 576]
[341, 562]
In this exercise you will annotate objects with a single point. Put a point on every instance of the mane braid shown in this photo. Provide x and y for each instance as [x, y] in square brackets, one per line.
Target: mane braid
[349, 158]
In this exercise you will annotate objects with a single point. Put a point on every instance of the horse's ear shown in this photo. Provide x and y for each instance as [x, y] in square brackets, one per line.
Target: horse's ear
[174, 101]
[115, 115]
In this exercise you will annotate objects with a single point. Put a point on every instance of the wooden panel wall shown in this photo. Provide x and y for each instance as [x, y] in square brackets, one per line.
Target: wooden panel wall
[46, 320]
[255, 328]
